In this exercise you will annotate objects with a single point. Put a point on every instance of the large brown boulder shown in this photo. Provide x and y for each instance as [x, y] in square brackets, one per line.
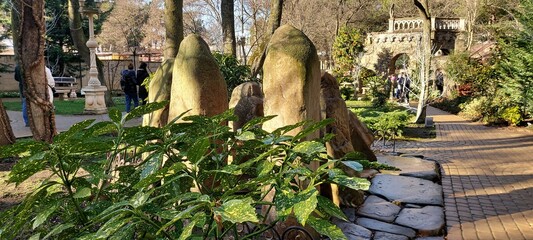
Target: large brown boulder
[247, 101]
[291, 80]
[362, 137]
[197, 83]
[334, 107]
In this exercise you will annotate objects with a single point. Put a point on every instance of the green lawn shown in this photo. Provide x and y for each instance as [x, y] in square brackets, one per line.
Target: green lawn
[71, 107]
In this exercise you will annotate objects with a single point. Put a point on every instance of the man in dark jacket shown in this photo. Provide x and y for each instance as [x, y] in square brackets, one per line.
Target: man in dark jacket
[142, 74]
[128, 83]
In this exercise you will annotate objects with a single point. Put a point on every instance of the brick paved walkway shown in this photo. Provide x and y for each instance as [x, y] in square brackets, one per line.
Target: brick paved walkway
[487, 177]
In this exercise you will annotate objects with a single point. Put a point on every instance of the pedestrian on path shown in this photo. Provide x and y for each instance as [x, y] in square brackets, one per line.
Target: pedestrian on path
[142, 74]
[128, 83]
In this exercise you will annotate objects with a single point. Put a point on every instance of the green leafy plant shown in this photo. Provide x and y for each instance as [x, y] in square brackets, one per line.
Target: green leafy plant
[379, 89]
[234, 73]
[189, 179]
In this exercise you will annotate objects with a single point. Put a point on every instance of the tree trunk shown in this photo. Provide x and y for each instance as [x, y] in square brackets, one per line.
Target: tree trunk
[228, 27]
[173, 28]
[423, 10]
[7, 137]
[274, 21]
[31, 52]
[79, 40]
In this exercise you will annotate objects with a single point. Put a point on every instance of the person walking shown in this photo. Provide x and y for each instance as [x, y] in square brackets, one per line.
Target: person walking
[128, 83]
[142, 74]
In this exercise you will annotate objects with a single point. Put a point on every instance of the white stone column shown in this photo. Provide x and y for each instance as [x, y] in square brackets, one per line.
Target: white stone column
[94, 91]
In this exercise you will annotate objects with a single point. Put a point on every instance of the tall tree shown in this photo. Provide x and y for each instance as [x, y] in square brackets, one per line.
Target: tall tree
[160, 85]
[7, 136]
[31, 52]
[227, 9]
[425, 55]
[173, 27]
[274, 21]
[79, 40]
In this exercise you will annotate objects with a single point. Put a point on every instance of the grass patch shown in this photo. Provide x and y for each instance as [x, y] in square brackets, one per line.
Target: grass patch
[71, 107]
[372, 116]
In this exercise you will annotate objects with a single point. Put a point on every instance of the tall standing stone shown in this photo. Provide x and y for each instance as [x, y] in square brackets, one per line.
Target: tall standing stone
[334, 107]
[197, 83]
[291, 85]
[160, 87]
[291, 81]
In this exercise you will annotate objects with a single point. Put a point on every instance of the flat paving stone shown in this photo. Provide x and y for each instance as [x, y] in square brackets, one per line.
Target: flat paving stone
[350, 213]
[429, 220]
[389, 236]
[411, 167]
[353, 231]
[379, 208]
[385, 227]
[407, 189]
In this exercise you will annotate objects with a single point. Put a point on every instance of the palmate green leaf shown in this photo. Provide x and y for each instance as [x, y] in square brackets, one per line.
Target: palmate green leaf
[285, 201]
[43, 215]
[187, 213]
[265, 168]
[141, 110]
[245, 136]
[353, 165]
[126, 232]
[115, 115]
[101, 128]
[187, 230]
[33, 237]
[72, 131]
[326, 205]
[58, 229]
[309, 148]
[198, 150]
[27, 167]
[140, 198]
[352, 182]
[257, 121]
[83, 193]
[313, 128]
[237, 211]
[303, 209]
[112, 226]
[160, 174]
[282, 130]
[22, 147]
[152, 165]
[325, 227]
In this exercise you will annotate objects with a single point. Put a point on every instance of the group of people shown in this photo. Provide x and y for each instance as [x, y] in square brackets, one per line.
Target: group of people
[50, 86]
[131, 84]
[401, 87]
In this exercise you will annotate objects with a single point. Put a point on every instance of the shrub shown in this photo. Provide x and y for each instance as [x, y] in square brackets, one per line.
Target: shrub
[475, 108]
[234, 73]
[512, 115]
[109, 181]
[379, 89]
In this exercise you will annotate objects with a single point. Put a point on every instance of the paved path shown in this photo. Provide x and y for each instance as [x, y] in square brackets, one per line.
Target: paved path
[488, 177]
[63, 123]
